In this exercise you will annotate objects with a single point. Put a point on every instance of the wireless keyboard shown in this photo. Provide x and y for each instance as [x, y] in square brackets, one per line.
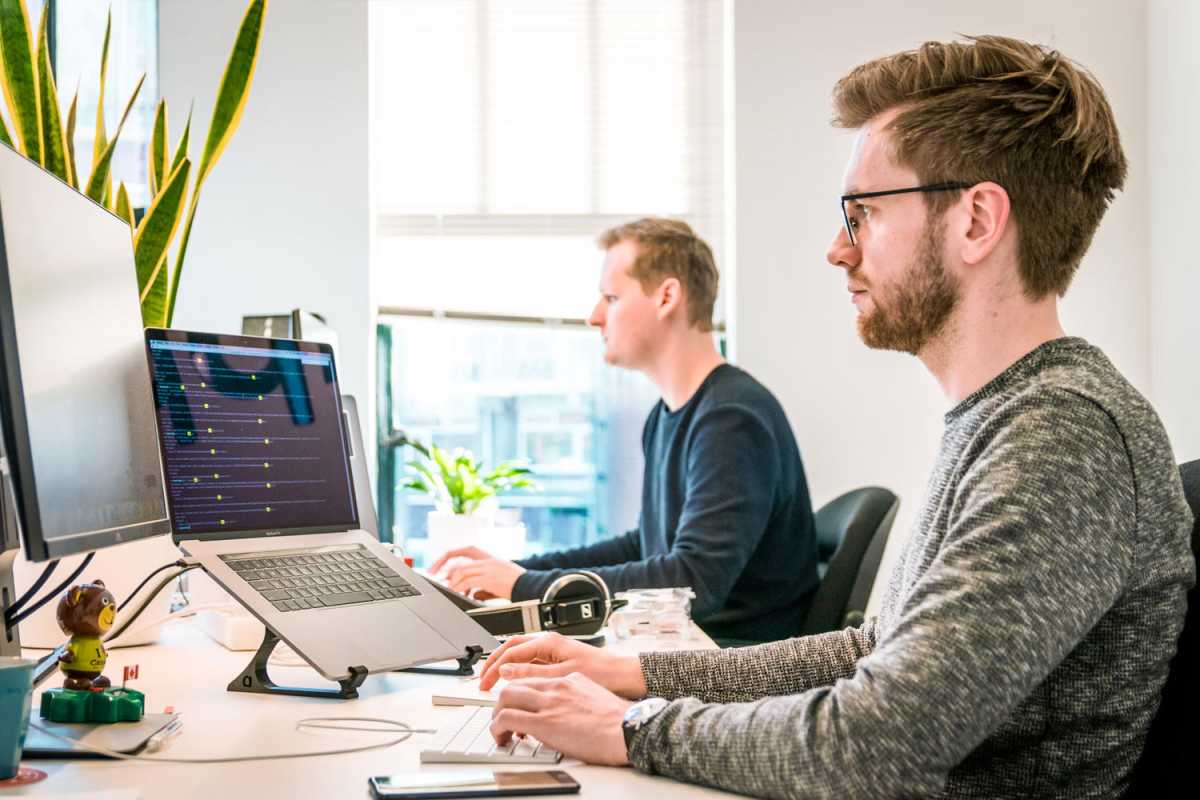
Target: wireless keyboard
[467, 740]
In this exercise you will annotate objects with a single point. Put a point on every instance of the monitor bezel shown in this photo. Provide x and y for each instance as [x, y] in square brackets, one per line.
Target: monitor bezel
[242, 340]
[18, 449]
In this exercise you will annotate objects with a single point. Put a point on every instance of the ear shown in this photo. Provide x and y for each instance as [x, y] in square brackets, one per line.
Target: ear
[986, 208]
[669, 297]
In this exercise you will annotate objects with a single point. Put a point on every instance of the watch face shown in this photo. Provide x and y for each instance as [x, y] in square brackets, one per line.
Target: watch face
[639, 713]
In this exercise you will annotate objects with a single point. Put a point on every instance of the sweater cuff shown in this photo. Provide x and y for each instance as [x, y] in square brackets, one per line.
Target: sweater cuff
[528, 586]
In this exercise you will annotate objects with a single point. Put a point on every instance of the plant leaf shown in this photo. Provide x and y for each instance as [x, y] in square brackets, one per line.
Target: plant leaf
[69, 136]
[20, 76]
[157, 152]
[181, 150]
[54, 146]
[150, 244]
[98, 184]
[124, 209]
[227, 113]
[100, 142]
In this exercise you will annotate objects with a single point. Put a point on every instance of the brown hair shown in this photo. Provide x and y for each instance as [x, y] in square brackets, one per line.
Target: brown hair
[999, 109]
[669, 248]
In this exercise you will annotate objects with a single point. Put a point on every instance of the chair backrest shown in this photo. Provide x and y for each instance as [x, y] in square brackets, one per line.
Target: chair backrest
[1167, 766]
[852, 531]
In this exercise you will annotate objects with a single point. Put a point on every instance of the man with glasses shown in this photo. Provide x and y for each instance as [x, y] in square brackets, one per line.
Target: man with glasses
[1027, 628]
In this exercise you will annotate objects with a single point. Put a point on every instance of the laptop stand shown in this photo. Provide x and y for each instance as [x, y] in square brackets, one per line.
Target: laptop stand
[254, 677]
[466, 664]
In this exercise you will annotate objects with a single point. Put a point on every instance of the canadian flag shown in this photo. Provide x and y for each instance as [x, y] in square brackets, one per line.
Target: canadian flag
[129, 673]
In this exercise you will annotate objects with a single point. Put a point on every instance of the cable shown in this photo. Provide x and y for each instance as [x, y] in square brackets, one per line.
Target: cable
[47, 665]
[32, 590]
[115, 632]
[177, 563]
[55, 592]
[403, 728]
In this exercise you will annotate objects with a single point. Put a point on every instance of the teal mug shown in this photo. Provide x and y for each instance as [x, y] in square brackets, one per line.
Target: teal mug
[16, 695]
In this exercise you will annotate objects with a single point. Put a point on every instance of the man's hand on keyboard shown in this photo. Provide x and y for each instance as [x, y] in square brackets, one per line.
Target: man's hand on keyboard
[472, 569]
[573, 714]
[550, 655]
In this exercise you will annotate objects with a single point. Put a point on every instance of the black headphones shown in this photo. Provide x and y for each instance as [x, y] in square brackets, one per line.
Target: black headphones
[575, 604]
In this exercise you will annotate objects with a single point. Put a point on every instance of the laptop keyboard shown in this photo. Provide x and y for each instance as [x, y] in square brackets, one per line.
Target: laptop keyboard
[295, 580]
[467, 739]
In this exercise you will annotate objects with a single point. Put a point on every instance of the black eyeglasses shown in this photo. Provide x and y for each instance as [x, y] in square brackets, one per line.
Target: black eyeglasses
[852, 224]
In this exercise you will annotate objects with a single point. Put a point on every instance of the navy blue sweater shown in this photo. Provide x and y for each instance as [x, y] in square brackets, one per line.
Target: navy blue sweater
[725, 510]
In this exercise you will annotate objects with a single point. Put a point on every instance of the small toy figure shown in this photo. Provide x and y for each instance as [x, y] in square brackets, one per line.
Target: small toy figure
[86, 612]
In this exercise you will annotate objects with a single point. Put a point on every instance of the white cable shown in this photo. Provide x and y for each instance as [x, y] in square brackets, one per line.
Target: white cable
[310, 722]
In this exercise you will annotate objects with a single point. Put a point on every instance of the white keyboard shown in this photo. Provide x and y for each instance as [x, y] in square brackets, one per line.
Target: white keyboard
[467, 740]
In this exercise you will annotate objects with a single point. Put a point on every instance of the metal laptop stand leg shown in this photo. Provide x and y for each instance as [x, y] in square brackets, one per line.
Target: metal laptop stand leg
[254, 677]
[466, 664]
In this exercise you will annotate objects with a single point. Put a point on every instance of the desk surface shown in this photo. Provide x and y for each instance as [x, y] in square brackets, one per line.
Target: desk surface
[189, 671]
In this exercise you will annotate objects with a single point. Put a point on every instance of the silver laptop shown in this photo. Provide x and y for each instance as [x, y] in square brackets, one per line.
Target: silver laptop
[261, 492]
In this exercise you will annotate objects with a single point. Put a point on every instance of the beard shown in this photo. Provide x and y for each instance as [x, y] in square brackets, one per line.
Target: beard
[911, 312]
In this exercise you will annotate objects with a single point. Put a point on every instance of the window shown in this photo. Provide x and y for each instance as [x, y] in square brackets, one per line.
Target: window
[506, 134]
[132, 50]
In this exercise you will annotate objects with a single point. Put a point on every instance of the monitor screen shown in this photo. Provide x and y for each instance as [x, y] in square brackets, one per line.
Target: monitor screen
[252, 436]
[75, 401]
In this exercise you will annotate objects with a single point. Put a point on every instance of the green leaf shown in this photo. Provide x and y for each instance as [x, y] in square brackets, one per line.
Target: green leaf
[100, 142]
[54, 146]
[124, 208]
[20, 76]
[98, 184]
[181, 151]
[150, 245]
[157, 152]
[5, 136]
[227, 113]
[69, 136]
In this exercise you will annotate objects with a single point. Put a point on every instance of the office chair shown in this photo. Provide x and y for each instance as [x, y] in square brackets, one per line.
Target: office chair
[851, 533]
[1166, 769]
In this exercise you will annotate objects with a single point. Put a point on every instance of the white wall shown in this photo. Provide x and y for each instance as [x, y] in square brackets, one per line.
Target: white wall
[1174, 165]
[283, 220]
[864, 417]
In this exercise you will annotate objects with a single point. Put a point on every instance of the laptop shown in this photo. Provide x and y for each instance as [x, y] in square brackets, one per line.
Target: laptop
[261, 492]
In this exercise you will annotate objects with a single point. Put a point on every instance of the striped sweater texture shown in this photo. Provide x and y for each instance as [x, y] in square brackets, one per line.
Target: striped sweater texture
[1024, 635]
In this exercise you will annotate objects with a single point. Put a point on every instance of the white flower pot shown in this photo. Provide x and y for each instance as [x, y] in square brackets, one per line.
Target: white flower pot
[448, 531]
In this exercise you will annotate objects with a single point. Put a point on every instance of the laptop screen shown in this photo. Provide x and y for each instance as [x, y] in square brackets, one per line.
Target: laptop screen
[251, 433]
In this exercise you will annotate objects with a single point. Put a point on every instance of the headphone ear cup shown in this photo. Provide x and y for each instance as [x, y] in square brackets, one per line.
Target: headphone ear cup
[581, 585]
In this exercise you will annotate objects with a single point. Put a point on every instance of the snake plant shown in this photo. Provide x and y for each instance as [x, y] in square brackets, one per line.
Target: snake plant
[42, 135]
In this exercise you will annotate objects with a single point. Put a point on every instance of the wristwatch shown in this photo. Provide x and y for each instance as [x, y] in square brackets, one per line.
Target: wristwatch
[638, 714]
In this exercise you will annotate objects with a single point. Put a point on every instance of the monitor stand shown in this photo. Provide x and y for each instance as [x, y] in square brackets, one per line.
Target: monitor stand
[10, 640]
[10, 548]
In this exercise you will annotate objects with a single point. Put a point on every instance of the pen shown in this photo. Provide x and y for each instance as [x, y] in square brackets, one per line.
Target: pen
[156, 742]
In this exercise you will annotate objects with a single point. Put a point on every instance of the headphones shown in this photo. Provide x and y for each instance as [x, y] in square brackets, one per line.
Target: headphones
[575, 604]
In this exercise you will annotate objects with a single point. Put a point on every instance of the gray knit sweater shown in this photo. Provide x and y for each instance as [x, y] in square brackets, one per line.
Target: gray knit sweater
[1024, 636]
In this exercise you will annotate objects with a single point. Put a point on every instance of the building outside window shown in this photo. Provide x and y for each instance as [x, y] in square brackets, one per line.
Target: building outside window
[506, 135]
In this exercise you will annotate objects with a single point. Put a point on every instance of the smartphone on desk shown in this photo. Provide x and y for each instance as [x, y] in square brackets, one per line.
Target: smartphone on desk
[473, 783]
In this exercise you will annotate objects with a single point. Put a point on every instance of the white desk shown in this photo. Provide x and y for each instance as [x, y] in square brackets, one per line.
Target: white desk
[189, 671]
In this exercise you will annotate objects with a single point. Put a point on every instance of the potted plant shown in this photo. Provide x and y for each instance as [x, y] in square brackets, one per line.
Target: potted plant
[465, 500]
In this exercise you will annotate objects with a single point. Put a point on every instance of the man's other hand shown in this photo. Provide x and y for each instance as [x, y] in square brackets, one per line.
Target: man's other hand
[473, 569]
[573, 714]
[549, 655]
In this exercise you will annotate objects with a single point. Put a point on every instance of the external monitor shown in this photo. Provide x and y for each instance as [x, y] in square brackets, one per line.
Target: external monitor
[79, 443]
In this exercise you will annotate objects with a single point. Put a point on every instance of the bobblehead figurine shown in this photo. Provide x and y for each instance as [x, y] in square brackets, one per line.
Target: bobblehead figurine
[86, 612]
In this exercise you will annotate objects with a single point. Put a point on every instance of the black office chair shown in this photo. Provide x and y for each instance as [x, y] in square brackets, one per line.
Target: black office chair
[851, 533]
[1166, 769]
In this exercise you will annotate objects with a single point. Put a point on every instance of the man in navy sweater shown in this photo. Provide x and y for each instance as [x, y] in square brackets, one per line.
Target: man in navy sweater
[725, 504]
